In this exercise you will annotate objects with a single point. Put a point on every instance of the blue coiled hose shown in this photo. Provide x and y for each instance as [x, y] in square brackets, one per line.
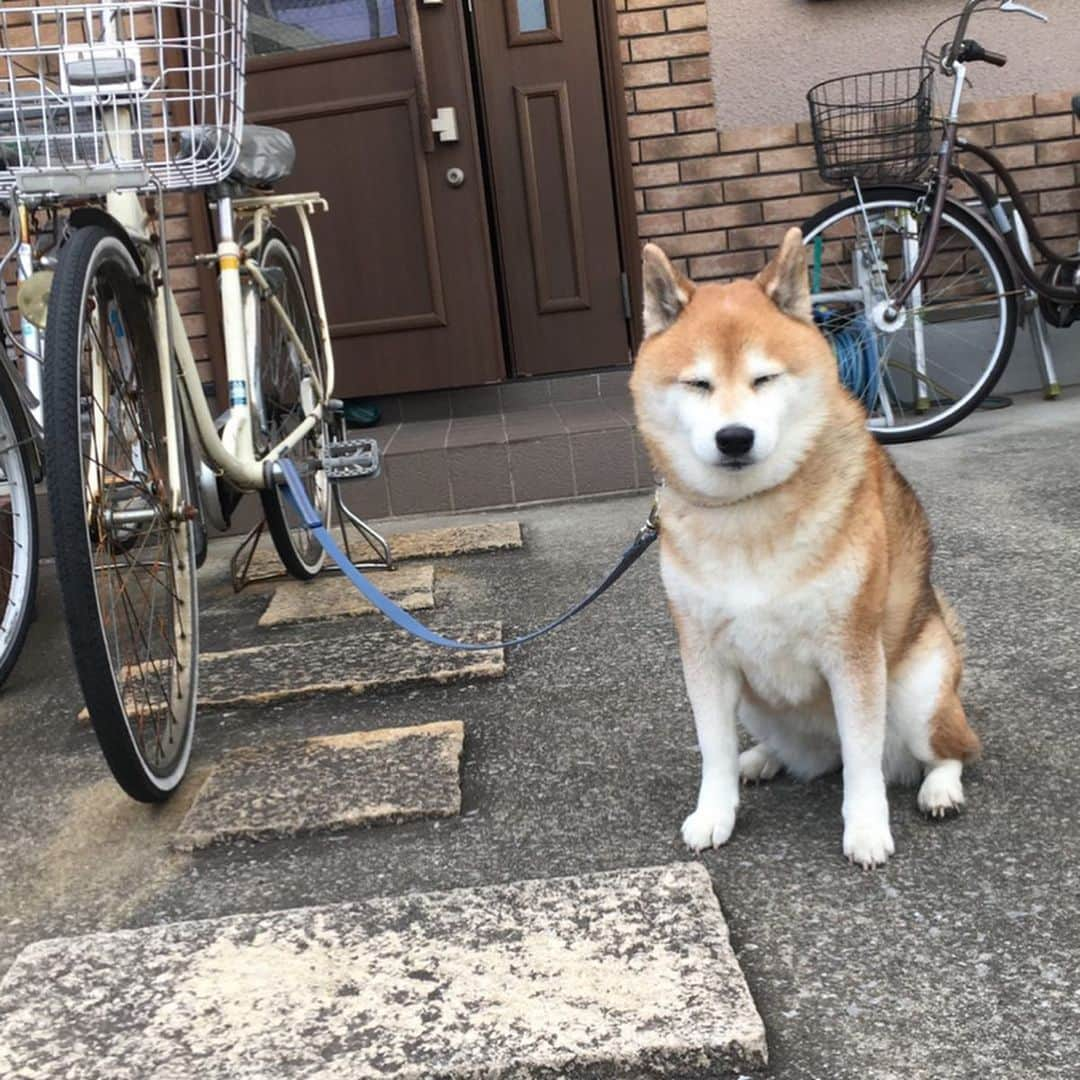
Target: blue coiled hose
[855, 346]
[853, 341]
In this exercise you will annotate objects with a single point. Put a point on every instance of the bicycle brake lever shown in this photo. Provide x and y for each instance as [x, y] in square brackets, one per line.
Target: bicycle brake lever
[1023, 9]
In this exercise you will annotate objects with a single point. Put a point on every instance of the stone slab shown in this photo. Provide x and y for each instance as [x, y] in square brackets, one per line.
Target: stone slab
[354, 663]
[381, 659]
[330, 596]
[423, 544]
[328, 783]
[627, 974]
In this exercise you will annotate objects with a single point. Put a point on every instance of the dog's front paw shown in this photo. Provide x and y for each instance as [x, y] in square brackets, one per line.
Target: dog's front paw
[708, 827]
[868, 843]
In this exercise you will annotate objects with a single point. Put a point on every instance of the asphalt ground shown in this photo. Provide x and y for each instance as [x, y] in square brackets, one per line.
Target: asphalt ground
[960, 958]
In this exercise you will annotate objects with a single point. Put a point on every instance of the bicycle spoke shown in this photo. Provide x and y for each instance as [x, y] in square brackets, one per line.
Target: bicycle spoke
[143, 609]
[935, 360]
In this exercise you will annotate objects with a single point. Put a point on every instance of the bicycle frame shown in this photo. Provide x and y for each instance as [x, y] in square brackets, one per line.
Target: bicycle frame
[948, 168]
[233, 451]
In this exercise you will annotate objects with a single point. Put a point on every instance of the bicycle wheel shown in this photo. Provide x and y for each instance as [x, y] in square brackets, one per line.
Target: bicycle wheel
[279, 405]
[939, 360]
[124, 555]
[18, 531]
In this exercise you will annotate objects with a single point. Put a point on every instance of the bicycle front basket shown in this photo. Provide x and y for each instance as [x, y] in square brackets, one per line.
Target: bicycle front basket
[125, 94]
[875, 126]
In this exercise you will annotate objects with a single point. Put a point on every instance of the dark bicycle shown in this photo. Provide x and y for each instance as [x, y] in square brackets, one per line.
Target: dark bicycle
[919, 291]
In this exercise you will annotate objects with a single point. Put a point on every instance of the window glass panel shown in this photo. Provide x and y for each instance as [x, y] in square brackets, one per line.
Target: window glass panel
[532, 15]
[288, 25]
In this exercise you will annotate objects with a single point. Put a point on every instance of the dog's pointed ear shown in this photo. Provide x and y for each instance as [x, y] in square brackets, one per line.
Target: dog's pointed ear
[786, 280]
[667, 292]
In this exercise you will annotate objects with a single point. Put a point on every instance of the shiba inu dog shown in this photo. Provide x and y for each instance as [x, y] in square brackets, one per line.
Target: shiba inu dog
[795, 557]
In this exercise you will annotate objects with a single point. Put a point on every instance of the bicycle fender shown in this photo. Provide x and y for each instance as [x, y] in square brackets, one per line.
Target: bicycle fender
[94, 215]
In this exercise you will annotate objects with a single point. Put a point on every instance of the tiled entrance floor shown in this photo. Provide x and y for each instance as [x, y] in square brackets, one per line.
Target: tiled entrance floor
[493, 446]
[537, 440]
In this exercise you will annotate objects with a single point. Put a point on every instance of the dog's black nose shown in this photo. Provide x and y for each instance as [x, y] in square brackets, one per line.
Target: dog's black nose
[734, 440]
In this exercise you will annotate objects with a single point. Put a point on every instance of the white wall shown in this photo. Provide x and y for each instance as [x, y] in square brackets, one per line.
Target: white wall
[767, 53]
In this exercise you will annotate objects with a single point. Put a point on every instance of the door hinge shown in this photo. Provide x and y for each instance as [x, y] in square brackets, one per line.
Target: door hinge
[628, 313]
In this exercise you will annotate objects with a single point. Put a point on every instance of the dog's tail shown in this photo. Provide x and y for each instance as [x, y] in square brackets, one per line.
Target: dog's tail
[952, 622]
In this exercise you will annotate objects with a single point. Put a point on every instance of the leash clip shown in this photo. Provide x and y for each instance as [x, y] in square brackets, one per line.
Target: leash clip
[652, 522]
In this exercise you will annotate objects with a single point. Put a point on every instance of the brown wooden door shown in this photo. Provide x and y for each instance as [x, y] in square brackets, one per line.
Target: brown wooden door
[406, 258]
[552, 181]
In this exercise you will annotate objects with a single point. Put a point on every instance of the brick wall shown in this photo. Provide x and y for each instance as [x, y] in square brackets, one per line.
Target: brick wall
[718, 202]
[1038, 138]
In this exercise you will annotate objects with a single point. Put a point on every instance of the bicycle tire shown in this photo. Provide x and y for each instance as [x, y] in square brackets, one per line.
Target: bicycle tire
[898, 196]
[300, 554]
[18, 582]
[98, 290]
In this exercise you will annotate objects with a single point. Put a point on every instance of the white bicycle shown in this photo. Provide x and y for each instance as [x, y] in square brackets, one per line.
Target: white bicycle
[20, 466]
[110, 105]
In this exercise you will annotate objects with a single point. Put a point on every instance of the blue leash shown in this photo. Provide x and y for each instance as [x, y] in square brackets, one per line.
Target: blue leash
[644, 539]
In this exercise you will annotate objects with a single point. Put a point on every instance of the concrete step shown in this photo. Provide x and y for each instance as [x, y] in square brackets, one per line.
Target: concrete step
[626, 974]
[328, 783]
[423, 544]
[330, 596]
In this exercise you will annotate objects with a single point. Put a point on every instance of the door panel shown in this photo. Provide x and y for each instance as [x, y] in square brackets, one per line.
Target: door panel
[405, 256]
[552, 181]
[551, 198]
[406, 294]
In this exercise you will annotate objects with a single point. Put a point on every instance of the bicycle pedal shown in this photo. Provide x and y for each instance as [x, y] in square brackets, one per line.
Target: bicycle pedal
[351, 459]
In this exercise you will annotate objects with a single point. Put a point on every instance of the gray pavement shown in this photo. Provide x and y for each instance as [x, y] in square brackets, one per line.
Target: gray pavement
[959, 959]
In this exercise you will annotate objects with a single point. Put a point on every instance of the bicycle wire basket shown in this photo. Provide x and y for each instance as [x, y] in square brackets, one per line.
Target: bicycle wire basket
[874, 126]
[120, 95]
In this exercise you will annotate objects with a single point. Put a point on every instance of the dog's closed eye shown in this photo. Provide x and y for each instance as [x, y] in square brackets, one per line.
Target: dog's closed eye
[702, 385]
[761, 380]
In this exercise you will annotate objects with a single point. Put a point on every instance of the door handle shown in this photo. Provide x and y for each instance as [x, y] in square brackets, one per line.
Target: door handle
[444, 122]
[423, 92]
[445, 125]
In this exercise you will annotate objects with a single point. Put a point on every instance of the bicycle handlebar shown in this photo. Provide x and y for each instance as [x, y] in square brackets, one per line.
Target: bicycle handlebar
[953, 54]
[971, 51]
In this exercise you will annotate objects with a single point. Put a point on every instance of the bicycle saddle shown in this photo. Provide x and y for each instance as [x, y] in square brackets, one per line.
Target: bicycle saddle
[266, 156]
